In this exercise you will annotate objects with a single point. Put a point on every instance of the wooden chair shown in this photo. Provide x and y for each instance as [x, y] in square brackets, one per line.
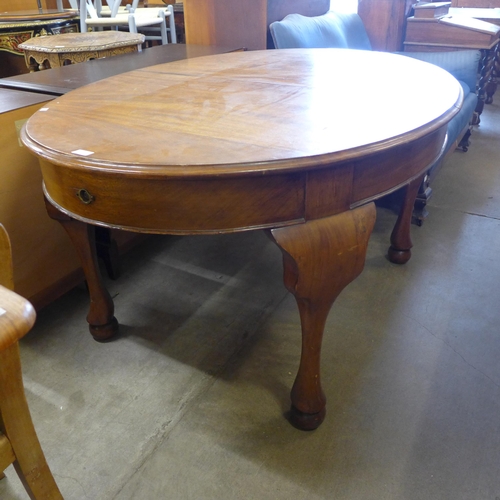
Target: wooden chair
[19, 443]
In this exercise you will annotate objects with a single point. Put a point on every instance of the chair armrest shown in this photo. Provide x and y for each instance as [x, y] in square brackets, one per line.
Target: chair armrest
[462, 64]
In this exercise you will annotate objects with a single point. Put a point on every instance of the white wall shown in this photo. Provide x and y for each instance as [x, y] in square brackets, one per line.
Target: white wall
[344, 5]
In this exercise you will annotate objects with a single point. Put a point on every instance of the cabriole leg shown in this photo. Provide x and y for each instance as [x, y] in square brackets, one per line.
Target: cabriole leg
[320, 257]
[101, 320]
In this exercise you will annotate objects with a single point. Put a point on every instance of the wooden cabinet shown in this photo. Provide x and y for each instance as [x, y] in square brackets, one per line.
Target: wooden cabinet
[384, 21]
[44, 260]
[242, 23]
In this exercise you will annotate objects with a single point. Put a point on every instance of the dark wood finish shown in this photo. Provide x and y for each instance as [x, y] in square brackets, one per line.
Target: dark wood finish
[244, 23]
[25, 16]
[22, 28]
[385, 22]
[11, 100]
[101, 318]
[251, 145]
[401, 244]
[58, 81]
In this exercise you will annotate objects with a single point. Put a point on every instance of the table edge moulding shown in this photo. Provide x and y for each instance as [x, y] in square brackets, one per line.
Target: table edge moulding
[243, 141]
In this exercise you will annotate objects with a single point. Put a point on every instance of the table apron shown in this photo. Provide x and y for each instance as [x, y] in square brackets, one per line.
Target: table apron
[169, 205]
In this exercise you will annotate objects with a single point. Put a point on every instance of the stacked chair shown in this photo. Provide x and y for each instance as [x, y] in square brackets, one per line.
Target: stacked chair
[152, 22]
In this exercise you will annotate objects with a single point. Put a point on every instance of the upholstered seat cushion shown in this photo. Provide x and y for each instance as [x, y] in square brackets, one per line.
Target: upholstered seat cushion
[461, 120]
[462, 64]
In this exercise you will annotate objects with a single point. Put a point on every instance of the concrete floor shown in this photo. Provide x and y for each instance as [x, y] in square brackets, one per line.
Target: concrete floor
[188, 402]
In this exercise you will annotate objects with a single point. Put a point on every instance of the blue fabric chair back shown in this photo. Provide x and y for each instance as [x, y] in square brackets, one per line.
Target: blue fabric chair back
[331, 30]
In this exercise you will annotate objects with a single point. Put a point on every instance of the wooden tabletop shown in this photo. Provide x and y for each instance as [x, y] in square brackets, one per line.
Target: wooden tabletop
[246, 112]
[82, 42]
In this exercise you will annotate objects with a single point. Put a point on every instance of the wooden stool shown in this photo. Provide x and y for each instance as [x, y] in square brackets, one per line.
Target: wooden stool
[69, 48]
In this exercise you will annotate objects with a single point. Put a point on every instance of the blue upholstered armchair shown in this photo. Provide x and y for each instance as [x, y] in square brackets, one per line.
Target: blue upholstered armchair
[346, 30]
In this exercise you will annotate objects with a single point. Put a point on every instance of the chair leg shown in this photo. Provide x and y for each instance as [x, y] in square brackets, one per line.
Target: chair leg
[132, 26]
[163, 28]
[16, 424]
[171, 20]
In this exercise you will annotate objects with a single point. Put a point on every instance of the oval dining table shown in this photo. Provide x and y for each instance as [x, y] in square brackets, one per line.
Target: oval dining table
[297, 142]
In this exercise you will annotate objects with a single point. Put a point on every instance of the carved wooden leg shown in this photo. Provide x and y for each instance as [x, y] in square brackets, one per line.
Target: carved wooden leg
[400, 249]
[492, 85]
[107, 250]
[486, 65]
[320, 257]
[102, 323]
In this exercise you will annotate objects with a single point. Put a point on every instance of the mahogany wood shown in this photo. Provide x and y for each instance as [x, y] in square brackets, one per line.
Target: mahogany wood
[385, 22]
[246, 140]
[330, 252]
[401, 244]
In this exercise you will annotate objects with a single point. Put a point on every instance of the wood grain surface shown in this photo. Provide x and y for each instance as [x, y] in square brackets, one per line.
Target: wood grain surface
[273, 122]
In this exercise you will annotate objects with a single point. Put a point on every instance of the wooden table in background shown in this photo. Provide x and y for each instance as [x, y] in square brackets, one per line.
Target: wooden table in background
[61, 80]
[245, 141]
[17, 27]
[460, 33]
[55, 51]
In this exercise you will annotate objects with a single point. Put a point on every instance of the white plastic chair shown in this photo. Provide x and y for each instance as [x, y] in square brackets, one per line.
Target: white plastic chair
[104, 11]
[135, 22]
[72, 3]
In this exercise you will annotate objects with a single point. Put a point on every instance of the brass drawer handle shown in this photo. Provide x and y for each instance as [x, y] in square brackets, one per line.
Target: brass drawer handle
[84, 196]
